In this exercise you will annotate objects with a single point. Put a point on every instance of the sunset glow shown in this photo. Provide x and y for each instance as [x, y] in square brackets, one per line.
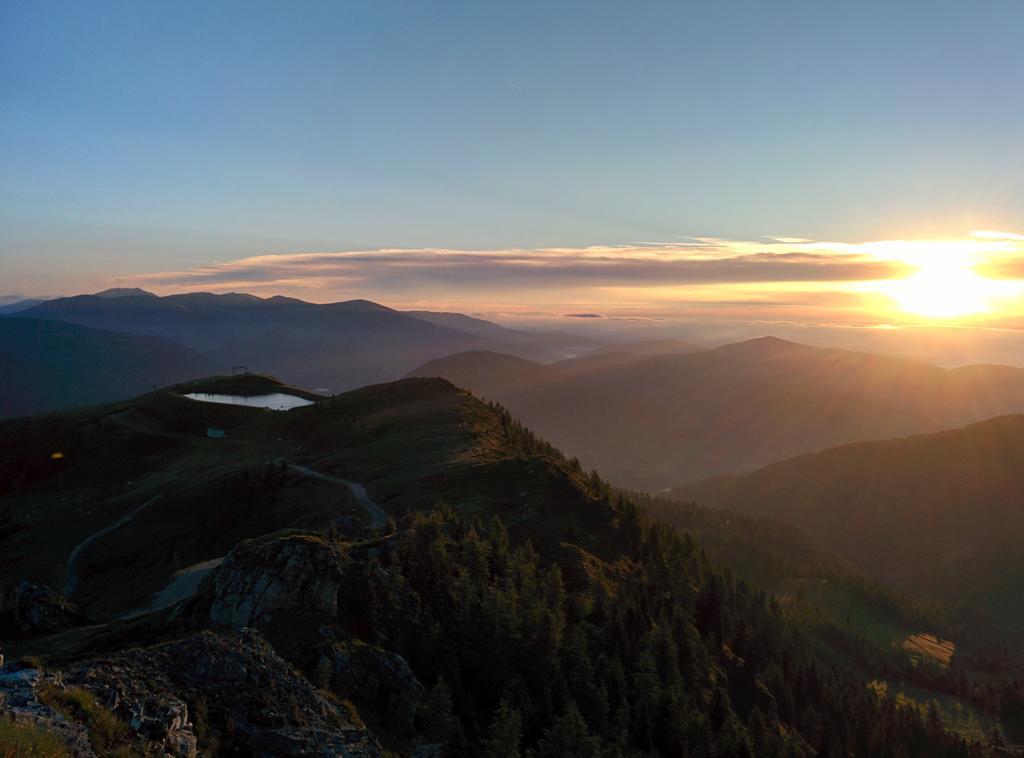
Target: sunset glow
[945, 283]
[973, 278]
[943, 290]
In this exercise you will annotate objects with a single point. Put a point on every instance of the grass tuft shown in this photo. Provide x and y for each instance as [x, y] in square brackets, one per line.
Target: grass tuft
[107, 733]
[21, 740]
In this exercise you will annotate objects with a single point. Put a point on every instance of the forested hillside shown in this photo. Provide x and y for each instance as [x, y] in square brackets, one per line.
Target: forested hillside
[513, 604]
[939, 515]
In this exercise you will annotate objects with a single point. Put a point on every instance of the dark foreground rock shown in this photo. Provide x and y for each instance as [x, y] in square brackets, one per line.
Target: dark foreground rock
[31, 610]
[20, 701]
[260, 580]
[376, 678]
[241, 694]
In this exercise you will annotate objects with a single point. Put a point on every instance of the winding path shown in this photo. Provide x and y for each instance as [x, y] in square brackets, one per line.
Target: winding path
[185, 582]
[71, 572]
[378, 518]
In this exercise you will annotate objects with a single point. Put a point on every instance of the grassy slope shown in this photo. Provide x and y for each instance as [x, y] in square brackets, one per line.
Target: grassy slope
[117, 457]
[414, 444]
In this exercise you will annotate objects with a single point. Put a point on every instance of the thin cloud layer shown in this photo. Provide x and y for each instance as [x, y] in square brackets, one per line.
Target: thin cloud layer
[781, 271]
[706, 261]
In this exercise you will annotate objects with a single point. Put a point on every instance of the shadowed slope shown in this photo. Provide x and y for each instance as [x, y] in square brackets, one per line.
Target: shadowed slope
[49, 365]
[939, 513]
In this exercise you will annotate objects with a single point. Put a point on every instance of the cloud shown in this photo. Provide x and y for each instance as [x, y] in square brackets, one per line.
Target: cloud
[987, 234]
[696, 277]
[702, 261]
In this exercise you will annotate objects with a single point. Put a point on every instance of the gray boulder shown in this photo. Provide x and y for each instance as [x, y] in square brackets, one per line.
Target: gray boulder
[262, 579]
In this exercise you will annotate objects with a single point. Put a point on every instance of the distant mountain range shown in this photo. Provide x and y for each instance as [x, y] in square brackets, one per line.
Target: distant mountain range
[652, 419]
[939, 515]
[335, 346]
[48, 365]
[19, 305]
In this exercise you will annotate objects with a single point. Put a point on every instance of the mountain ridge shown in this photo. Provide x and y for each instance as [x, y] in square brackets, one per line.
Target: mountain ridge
[336, 346]
[934, 514]
[655, 421]
[51, 365]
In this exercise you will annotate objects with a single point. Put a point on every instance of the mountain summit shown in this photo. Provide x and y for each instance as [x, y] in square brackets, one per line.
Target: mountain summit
[124, 292]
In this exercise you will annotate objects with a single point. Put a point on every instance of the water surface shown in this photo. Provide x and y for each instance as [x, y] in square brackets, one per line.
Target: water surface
[275, 401]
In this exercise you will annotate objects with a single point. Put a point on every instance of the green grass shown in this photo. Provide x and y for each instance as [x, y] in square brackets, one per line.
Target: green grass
[107, 733]
[20, 740]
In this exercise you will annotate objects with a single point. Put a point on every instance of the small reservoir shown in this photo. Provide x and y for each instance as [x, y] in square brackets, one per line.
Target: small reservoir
[275, 401]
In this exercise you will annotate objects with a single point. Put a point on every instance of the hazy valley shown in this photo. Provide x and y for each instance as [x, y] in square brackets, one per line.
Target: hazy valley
[651, 421]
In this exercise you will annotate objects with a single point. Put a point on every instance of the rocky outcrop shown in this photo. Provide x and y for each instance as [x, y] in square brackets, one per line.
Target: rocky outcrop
[377, 678]
[158, 718]
[250, 700]
[19, 700]
[262, 579]
[31, 610]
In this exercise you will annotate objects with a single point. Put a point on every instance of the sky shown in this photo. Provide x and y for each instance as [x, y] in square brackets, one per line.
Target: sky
[727, 162]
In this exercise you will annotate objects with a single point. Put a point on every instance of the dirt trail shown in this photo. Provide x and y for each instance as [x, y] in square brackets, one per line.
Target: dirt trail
[185, 582]
[378, 518]
[71, 572]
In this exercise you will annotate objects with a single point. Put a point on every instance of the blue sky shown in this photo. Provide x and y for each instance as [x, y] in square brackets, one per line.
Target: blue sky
[160, 136]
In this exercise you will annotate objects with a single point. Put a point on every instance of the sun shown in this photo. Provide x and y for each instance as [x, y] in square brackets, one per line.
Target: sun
[943, 290]
[944, 283]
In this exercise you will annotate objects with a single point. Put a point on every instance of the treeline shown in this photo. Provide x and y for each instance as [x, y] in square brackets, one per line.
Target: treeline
[519, 439]
[986, 670]
[658, 654]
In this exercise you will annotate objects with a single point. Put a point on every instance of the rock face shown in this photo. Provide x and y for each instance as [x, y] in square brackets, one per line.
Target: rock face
[378, 678]
[227, 691]
[159, 718]
[29, 610]
[19, 700]
[251, 701]
[261, 580]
